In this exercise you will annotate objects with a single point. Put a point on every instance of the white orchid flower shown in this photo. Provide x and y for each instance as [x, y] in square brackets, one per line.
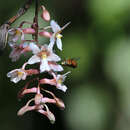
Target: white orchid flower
[43, 54]
[56, 36]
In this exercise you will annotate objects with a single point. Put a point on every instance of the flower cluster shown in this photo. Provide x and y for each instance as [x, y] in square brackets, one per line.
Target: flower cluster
[47, 62]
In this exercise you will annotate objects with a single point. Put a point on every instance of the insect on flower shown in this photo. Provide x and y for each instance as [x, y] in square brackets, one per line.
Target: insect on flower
[3, 36]
[72, 62]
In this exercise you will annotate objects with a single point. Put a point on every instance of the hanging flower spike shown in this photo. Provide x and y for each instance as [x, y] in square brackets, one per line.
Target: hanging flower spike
[42, 55]
[15, 33]
[56, 37]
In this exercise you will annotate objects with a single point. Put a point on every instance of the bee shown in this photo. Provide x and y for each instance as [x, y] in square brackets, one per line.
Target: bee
[72, 62]
[3, 36]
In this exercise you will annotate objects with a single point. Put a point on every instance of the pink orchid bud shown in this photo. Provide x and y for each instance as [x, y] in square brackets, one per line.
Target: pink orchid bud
[31, 90]
[38, 98]
[51, 117]
[24, 109]
[48, 100]
[45, 14]
[29, 31]
[60, 103]
[45, 34]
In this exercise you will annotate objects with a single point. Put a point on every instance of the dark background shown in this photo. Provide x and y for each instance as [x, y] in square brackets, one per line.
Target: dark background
[98, 89]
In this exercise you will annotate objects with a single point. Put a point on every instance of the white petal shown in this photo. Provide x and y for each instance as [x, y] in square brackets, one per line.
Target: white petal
[53, 57]
[16, 79]
[62, 87]
[52, 42]
[24, 76]
[34, 48]
[52, 39]
[11, 31]
[56, 67]
[55, 27]
[65, 75]
[12, 73]
[59, 43]
[44, 66]
[15, 38]
[34, 59]
[9, 74]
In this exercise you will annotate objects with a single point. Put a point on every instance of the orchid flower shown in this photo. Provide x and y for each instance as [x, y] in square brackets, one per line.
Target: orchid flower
[57, 81]
[56, 36]
[17, 50]
[17, 74]
[21, 74]
[44, 54]
[15, 33]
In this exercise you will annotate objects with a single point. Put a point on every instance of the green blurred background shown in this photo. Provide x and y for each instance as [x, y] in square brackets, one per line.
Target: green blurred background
[98, 89]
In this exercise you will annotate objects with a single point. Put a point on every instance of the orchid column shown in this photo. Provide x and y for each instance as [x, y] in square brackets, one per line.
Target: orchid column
[47, 62]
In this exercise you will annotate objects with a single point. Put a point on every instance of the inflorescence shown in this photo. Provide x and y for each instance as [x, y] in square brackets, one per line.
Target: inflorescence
[45, 59]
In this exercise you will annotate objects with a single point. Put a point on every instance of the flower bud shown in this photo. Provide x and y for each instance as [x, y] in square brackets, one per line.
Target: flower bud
[45, 14]
[51, 117]
[22, 110]
[45, 34]
[60, 103]
[29, 31]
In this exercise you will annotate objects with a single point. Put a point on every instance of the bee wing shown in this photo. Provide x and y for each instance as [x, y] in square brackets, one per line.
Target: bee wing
[55, 27]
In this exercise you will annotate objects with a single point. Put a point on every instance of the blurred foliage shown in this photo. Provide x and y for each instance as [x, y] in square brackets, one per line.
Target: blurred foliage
[98, 89]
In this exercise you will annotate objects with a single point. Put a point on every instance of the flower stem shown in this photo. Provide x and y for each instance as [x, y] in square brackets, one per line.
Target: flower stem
[20, 12]
[35, 21]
